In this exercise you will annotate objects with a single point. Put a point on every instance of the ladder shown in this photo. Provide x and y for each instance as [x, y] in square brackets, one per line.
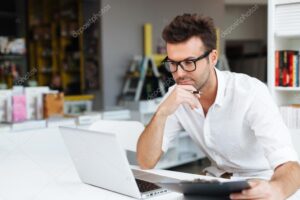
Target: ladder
[136, 75]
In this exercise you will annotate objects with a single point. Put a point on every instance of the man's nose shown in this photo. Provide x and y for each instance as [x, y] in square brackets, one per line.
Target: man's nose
[180, 72]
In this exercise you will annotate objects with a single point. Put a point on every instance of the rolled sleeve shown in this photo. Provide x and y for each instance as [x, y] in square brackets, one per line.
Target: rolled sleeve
[266, 122]
[281, 156]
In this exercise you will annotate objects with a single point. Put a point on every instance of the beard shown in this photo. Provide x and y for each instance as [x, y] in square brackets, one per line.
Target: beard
[199, 84]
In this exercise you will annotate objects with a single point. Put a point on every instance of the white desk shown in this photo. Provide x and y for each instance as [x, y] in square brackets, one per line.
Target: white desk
[35, 165]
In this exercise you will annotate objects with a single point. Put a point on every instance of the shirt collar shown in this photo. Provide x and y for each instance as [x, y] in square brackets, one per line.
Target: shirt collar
[221, 87]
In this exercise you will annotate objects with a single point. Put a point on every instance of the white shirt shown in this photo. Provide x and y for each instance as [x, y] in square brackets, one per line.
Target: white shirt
[243, 132]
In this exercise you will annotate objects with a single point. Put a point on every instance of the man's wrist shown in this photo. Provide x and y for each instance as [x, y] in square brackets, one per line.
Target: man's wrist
[161, 113]
[279, 188]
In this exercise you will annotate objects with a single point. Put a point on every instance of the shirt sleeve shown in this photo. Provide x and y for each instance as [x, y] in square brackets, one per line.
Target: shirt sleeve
[265, 120]
[172, 128]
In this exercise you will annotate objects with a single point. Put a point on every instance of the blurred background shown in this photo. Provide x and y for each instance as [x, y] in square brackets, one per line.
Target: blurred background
[85, 47]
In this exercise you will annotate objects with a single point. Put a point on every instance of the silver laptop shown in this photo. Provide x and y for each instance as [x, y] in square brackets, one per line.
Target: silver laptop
[101, 161]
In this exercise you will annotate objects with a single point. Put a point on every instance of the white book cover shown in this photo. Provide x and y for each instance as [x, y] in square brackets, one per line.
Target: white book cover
[5, 106]
[34, 99]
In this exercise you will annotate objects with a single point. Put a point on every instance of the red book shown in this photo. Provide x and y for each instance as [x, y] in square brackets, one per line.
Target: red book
[285, 74]
[277, 68]
[291, 68]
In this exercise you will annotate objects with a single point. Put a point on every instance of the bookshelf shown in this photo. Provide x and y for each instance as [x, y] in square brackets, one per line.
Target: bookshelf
[53, 50]
[283, 34]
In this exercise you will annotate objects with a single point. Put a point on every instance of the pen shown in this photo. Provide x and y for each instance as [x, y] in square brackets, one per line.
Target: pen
[196, 92]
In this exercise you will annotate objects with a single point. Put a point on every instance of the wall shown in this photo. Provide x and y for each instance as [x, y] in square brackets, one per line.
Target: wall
[122, 33]
[253, 27]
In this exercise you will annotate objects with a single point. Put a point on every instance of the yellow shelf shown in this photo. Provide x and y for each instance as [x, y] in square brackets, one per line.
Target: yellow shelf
[79, 97]
[59, 39]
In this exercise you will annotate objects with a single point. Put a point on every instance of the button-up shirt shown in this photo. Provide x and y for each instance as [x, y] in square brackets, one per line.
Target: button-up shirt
[243, 132]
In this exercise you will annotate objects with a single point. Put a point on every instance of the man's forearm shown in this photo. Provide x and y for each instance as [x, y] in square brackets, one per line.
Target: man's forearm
[287, 178]
[150, 142]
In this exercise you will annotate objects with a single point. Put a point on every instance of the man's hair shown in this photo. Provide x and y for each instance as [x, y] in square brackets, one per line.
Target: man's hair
[185, 26]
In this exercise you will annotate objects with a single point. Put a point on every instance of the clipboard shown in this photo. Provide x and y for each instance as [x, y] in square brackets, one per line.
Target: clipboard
[205, 188]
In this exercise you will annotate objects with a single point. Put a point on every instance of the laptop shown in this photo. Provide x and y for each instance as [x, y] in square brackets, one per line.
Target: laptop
[101, 161]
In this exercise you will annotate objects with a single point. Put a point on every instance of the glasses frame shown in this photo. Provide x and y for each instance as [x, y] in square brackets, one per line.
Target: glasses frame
[195, 60]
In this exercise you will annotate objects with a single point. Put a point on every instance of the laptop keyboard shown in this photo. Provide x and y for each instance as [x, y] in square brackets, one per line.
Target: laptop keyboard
[145, 186]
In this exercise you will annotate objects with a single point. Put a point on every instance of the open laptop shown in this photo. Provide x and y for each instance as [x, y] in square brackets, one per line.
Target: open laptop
[101, 161]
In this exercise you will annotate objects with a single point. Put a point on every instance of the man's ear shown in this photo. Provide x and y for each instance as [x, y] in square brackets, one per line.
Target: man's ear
[214, 57]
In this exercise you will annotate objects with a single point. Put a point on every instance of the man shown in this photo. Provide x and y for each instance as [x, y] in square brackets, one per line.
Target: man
[231, 116]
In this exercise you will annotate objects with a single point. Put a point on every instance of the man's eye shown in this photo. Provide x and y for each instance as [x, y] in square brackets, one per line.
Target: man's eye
[172, 63]
[188, 63]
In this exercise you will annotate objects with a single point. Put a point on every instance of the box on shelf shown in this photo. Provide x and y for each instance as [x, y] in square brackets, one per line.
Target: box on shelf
[53, 105]
[60, 121]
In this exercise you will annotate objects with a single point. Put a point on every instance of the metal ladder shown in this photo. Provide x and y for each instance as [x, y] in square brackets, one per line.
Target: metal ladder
[135, 78]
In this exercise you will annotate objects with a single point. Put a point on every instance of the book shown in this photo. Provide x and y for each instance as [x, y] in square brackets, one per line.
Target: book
[53, 105]
[287, 72]
[277, 71]
[34, 98]
[5, 106]
[19, 108]
[291, 115]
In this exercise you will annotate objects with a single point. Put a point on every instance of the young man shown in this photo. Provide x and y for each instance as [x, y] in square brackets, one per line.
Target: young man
[231, 116]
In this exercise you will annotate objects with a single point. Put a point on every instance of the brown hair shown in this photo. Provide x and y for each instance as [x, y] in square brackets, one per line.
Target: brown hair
[185, 26]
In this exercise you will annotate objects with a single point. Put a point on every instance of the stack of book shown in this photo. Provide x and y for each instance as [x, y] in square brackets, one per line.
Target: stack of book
[27, 108]
[291, 115]
[287, 71]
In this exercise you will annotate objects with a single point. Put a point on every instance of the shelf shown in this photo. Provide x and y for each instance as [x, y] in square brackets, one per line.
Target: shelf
[12, 56]
[281, 2]
[79, 98]
[287, 36]
[293, 89]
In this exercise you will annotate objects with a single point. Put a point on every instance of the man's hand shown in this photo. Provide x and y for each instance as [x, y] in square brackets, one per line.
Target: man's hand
[260, 190]
[180, 94]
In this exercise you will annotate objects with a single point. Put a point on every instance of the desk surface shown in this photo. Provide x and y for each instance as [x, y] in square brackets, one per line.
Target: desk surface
[35, 165]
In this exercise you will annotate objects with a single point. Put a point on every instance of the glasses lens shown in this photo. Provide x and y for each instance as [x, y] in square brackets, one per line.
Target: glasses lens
[171, 66]
[188, 65]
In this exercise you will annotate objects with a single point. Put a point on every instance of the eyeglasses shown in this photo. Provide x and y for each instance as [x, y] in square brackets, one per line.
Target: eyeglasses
[187, 65]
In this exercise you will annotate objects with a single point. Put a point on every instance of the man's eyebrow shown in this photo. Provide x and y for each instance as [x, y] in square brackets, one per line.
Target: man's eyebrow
[188, 58]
